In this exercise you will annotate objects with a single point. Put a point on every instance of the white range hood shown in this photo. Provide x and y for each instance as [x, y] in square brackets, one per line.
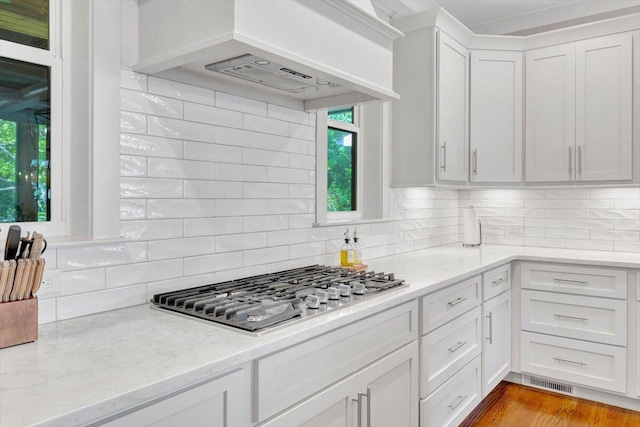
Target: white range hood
[326, 53]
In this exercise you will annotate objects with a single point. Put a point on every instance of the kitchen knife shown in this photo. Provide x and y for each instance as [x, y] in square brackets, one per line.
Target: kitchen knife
[12, 273]
[25, 279]
[37, 246]
[25, 246]
[4, 275]
[37, 281]
[13, 241]
[17, 281]
[27, 285]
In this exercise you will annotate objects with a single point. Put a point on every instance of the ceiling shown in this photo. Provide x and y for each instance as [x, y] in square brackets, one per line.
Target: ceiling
[514, 17]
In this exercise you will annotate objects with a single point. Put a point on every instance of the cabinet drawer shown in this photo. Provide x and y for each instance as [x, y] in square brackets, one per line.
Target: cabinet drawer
[572, 316]
[592, 281]
[446, 304]
[496, 281]
[447, 349]
[293, 374]
[452, 402]
[579, 362]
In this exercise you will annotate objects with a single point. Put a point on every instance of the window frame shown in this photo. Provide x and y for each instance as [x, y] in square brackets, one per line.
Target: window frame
[52, 58]
[323, 123]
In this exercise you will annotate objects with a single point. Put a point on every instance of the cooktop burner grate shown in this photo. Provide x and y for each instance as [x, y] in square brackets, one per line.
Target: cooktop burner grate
[259, 302]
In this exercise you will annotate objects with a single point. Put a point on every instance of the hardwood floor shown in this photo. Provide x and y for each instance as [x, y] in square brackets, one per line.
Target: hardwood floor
[513, 405]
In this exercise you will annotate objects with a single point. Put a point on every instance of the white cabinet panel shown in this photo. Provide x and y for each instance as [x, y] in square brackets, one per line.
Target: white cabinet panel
[452, 111]
[452, 402]
[550, 114]
[496, 281]
[580, 362]
[444, 305]
[496, 116]
[496, 348]
[587, 318]
[221, 402]
[603, 108]
[447, 349]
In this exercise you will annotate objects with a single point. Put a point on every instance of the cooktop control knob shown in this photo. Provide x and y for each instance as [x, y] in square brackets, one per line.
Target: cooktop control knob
[333, 293]
[313, 301]
[322, 296]
[345, 290]
[358, 288]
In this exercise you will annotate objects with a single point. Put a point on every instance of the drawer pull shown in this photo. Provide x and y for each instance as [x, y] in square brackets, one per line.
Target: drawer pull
[456, 302]
[457, 346]
[457, 402]
[569, 361]
[497, 282]
[580, 282]
[570, 317]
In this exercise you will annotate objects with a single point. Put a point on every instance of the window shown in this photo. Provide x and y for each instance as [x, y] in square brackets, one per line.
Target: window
[342, 161]
[352, 164]
[30, 115]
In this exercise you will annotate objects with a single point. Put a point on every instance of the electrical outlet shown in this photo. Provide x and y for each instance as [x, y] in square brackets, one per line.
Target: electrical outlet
[515, 230]
[51, 285]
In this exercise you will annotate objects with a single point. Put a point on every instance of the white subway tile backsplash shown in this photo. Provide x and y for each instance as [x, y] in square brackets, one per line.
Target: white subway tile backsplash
[266, 255]
[240, 242]
[185, 169]
[133, 122]
[133, 166]
[245, 138]
[151, 229]
[133, 209]
[266, 125]
[150, 146]
[140, 102]
[615, 214]
[293, 176]
[590, 245]
[302, 191]
[265, 223]
[46, 310]
[180, 129]
[181, 91]
[101, 256]
[80, 281]
[566, 233]
[264, 190]
[620, 236]
[288, 114]
[264, 157]
[302, 250]
[178, 284]
[212, 226]
[150, 188]
[630, 225]
[179, 248]
[287, 237]
[133, 81]
[212, 115]
[240, 207]
[626, 246]
[180, 208]
[616, 193]
[302, 132]
[288, 206]
[212, 263]
[230, 172]
[196, 189]
[94, 302]
[589, 224]
[133, 274]
[237, 103]
[212, 152]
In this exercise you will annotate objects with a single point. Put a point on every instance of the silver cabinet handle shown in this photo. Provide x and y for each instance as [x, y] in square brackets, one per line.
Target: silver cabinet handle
[570, 317]
[369, 406]
[456, 302]
[457, 402]
[580, 160]
[443, 166]
[569, 361]
[475, 161]
[581, 282]
[497, 282]
[570, 163]
[457, 346]
[490, 337]
[359, 400]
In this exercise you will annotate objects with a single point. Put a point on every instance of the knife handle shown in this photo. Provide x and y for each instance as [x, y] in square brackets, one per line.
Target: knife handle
[36, 245]
[37, 280]
[10, 277]
[4, 275]
[17, 281]
[28, 280]
[12, 243]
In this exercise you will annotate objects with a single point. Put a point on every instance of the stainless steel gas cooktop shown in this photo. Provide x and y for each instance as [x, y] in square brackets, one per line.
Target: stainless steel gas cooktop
[256, 303]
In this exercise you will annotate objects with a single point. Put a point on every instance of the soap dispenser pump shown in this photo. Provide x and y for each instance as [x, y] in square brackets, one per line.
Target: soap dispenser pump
[346, 251]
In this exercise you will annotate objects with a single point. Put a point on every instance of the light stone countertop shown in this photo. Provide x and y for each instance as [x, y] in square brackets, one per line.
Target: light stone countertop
[85, 369]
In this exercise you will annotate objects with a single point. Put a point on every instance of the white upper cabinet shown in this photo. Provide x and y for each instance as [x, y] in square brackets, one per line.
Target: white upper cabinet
[550, 114]
[496, 116]
[603, 108]
[452, 109]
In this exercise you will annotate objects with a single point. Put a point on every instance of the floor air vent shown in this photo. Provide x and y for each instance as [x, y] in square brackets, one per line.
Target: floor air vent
[551, 385]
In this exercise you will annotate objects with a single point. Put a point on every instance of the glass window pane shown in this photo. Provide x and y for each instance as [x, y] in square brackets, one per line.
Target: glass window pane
[25, 22]
[344, 115]
[341, 170]
[25, 142]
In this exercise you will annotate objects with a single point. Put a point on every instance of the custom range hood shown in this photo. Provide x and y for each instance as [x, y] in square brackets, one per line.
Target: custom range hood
[324, 53]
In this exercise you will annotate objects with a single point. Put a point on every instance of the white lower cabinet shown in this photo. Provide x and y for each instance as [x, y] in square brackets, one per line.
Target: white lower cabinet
[385, 394]
[220, 402]
[451, 403]
[496, 345]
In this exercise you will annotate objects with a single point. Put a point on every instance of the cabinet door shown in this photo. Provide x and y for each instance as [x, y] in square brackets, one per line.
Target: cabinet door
[334, 407]
[603, 108]
[550, 114]
[452, 109]
[496, 352]
[496, 116]
[390, 390]
[221, 402]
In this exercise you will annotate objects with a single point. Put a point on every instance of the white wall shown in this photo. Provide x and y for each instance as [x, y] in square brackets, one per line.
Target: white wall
[215, 187]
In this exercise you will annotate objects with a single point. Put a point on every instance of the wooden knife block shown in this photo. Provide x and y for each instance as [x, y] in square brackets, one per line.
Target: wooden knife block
[18, 322]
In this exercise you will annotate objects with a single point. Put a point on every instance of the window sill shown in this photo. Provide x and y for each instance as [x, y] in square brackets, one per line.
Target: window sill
[355, 221]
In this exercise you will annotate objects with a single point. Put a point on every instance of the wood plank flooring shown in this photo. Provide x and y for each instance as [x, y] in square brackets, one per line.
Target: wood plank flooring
[514, 405]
